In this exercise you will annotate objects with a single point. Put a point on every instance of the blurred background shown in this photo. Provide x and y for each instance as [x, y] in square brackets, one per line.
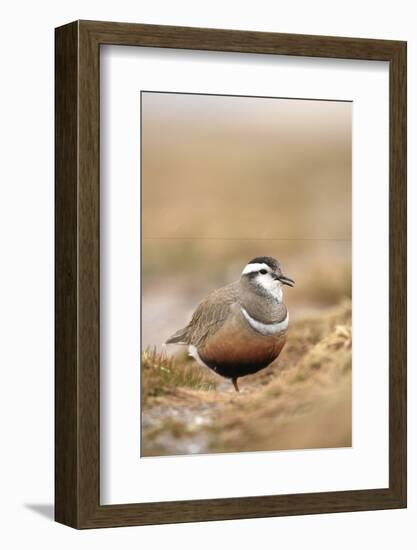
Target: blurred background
[225, 179]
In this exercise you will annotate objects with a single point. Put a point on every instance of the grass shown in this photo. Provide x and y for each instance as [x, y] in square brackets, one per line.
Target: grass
[162, 375]
[301, 401]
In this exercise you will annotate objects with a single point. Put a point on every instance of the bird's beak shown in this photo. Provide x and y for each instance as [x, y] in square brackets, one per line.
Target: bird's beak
[286, 280]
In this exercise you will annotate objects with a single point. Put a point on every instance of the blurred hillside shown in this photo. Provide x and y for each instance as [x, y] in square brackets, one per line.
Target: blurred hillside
[225, 179]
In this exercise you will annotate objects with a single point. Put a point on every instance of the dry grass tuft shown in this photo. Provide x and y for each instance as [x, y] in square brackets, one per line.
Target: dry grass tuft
[163, 375]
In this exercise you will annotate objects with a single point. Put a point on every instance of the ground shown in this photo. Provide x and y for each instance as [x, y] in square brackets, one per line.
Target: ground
[302, 400]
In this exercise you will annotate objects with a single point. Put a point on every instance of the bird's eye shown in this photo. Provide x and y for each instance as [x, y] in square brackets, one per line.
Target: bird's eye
[263, 271]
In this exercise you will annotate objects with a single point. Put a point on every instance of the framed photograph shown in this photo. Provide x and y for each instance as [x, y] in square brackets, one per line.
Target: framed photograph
[230, 274]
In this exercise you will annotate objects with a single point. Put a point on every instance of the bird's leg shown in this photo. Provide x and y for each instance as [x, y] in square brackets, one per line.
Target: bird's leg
[234, 380]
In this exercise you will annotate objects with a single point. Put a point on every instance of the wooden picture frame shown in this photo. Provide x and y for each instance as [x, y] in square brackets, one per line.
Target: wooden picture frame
[77, 373]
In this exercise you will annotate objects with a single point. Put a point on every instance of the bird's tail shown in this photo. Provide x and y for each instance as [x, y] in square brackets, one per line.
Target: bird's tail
[180, 337]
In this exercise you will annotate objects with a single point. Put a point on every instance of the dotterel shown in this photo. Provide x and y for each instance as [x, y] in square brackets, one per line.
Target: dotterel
[240, 328]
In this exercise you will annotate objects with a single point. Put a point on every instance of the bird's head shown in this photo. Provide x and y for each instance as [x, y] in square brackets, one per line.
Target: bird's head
[264, 276]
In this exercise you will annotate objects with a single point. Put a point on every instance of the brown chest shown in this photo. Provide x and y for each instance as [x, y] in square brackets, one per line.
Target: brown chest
[237, 349]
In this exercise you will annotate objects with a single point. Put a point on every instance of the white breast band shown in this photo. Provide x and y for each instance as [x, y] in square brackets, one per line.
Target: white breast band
[264, 328]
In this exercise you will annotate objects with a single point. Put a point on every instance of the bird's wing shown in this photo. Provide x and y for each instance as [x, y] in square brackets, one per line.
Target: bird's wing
[208, 317]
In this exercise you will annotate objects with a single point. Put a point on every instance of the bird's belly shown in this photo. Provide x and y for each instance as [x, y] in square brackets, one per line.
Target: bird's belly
[236, 349]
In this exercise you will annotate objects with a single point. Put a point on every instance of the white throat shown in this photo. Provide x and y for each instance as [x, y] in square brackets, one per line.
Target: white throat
[274, 289]
[271, 286]
[264, 328]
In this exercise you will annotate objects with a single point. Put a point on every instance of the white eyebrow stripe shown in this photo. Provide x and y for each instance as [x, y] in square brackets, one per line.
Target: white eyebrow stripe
[250, 268]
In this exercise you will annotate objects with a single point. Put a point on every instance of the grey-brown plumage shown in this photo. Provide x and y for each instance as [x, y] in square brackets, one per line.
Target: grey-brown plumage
[240, 328]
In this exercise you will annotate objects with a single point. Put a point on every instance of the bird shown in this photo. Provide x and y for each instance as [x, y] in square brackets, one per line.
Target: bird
[242, 327]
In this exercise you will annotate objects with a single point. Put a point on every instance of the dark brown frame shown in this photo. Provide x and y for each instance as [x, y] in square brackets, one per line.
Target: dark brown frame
[77, 274]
